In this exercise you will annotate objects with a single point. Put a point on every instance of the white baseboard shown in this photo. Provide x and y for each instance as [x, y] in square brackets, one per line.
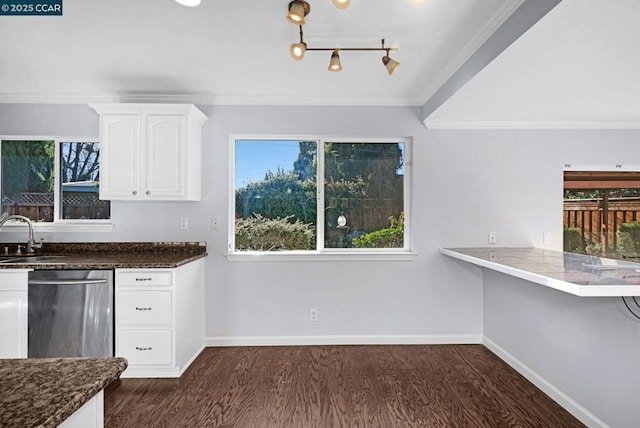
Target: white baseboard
[215, 341]
[586, 417]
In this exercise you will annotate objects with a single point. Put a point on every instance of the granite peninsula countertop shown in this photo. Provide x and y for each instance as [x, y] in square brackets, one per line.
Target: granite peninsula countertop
[578, 274]
[43, 392]
[120, 255]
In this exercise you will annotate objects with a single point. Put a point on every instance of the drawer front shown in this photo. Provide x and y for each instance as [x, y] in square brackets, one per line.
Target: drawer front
[148, 347]
[143, 278]
[144, 307]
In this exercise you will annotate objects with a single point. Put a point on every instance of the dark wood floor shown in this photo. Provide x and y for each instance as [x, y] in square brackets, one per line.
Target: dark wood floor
[337, 386]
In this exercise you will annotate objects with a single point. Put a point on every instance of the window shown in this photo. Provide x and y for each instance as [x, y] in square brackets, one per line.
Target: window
[51, 181]
[601, 212]
[320, 195]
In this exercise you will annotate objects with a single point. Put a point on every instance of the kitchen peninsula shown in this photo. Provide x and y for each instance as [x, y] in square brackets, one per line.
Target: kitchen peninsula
[578, 274]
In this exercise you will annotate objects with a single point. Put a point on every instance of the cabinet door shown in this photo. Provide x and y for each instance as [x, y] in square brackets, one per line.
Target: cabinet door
[120, 156]
[165, 155]
[13, 315]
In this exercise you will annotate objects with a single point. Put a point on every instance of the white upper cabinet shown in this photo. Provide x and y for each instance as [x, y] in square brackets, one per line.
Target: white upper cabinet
[150, 151]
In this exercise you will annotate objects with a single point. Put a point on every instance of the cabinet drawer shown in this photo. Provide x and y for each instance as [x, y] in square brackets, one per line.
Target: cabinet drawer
[143, 278]
[144, 307]
[145, 347]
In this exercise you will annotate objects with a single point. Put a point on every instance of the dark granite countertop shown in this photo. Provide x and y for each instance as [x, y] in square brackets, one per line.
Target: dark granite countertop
[122, 255]
[43, 392]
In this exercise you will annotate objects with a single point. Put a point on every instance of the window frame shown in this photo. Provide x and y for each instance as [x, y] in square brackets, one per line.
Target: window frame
[320, 253]
[58, 224]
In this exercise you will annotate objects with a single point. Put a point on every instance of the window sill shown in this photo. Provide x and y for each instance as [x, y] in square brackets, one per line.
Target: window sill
[290, 256]
[61, 227]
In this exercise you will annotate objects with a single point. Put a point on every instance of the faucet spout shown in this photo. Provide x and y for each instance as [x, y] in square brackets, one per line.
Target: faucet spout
[31, 243]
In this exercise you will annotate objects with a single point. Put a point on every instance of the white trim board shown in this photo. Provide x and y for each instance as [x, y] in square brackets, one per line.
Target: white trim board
[449, 339]
[545, 386]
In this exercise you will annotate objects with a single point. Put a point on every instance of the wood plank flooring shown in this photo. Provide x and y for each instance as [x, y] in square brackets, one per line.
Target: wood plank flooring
[337, 386]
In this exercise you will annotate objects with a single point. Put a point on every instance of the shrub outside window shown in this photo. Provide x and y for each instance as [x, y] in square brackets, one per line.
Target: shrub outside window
[317, 195]
[51, 181]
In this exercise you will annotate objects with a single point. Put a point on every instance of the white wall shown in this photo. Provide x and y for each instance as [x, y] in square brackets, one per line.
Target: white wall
[401, 299]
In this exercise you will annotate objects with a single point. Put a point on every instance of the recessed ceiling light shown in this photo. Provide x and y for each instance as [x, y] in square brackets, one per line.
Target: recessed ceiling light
[189, 3]
[420, 2]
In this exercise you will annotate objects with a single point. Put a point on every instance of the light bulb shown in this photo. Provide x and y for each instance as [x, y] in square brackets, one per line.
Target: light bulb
[297, 12]
[297, 50]
[189, 3]
[341, 4]
[334, 64]
[420, 2]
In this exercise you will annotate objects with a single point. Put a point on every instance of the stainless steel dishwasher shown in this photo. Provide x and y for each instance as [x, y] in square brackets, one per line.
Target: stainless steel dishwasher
[70, 313]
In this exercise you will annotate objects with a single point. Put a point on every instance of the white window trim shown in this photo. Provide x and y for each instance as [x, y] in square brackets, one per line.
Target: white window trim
[58, 225]
[324, 254]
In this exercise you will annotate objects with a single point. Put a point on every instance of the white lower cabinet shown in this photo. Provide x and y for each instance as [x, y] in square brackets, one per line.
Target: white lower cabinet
[13, 313]
[159, 319]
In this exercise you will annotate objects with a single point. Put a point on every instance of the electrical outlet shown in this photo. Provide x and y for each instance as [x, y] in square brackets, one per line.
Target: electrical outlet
[546, 238]
[313, 315]
[215, 225]
[493, 237]
[184, 222]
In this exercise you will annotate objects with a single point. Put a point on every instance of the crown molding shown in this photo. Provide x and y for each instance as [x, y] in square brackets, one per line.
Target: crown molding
[207, 100]
[535, 124]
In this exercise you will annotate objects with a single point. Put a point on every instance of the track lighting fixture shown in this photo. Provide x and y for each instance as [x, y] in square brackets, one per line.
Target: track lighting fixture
[298, 9]
[341, 4]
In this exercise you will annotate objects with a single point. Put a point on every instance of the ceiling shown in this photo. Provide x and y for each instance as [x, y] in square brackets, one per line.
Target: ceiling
[578, 67]
[237, 52]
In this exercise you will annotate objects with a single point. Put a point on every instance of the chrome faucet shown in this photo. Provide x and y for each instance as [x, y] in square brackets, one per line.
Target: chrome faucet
[31, 243]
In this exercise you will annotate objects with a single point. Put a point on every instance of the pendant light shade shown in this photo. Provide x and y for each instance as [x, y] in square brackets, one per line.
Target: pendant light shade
[190, 3]
[298, 9]
[297, 50]
[390, 64]
[341, 4]
[334, 64]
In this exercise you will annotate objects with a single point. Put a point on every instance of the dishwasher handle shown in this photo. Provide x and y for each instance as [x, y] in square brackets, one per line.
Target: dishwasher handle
[66, 281]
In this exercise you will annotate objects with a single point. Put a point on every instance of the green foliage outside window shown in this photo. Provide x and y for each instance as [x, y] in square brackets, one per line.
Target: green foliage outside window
[391, 237]
[27, 166]
[258, 233]
[573, 242]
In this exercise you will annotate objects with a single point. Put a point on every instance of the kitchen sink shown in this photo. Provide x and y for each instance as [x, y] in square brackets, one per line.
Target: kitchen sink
[26, 260]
